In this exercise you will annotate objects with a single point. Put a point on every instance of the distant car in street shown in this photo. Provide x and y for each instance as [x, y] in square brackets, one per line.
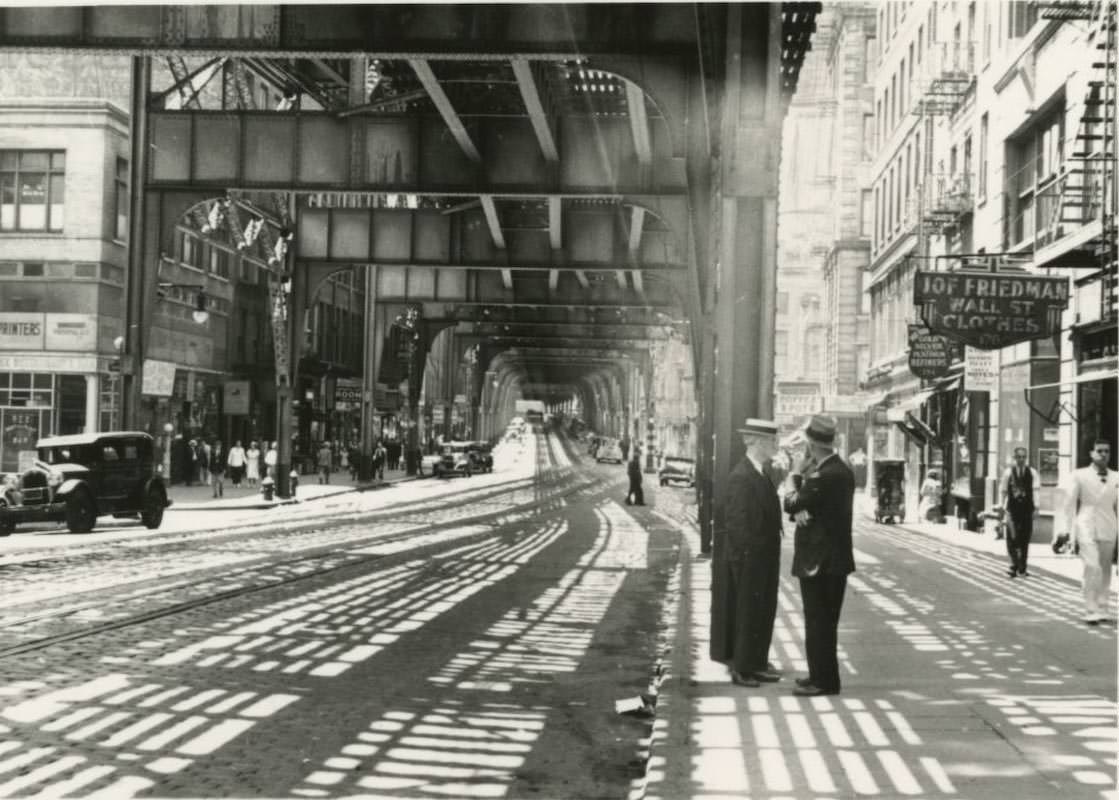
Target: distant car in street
[456, 459]
[677, 469]
[482, 455]
[75, 479]
[609, 450]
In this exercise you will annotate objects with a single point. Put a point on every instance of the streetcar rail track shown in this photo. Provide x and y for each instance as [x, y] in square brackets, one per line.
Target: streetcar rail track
[566, 485]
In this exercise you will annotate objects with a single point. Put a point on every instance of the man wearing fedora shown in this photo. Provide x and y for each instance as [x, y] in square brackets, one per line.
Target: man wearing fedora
[821, 500]
[752, 524]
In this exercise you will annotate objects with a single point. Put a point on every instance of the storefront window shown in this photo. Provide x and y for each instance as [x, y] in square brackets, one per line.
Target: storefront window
[1096, 415]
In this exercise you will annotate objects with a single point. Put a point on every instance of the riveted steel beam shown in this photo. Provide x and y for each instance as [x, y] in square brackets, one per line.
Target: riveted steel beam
[308, 151]
[541, 123]
[546, 30]
[446, 109]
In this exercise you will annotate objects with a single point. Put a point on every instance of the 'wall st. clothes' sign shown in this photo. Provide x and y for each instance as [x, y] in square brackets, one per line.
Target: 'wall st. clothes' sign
[930, 354]
[990, 311]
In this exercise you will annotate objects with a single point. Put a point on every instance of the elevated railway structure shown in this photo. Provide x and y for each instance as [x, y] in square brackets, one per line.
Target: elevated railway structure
[546, 184]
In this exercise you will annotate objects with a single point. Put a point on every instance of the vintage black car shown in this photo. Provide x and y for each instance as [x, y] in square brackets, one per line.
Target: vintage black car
[456, 459]
[78, 478]
[482, 455]
[676, 469]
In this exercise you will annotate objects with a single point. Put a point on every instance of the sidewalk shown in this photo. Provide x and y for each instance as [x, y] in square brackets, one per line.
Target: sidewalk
[1041, 556]
[200, 497]
[712, 740]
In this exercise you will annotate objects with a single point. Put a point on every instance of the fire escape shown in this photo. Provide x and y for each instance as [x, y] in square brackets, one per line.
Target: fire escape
[946, 198]
[1084, 214]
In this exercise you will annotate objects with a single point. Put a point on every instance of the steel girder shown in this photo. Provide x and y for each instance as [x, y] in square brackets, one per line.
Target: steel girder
[701, 157]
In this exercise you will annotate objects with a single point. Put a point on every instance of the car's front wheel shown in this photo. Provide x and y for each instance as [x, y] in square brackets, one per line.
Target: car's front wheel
[81, 513]
[152, 513]
[6, 526]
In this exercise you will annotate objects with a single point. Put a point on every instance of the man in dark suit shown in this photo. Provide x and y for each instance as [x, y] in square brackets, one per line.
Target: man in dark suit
[753, 540]
[821, 503]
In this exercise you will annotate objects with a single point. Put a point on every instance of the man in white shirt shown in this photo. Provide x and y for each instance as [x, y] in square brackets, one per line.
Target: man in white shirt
[1091, 506]
[1021, 486]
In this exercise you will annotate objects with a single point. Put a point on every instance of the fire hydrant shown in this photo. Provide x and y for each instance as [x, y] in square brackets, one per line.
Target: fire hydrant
[268, 488]
[293, 481]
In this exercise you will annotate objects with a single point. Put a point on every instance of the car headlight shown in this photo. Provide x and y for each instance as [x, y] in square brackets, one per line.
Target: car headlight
[54, 479]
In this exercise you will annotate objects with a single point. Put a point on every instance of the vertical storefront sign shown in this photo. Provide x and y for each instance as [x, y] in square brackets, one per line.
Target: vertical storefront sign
[19, 431]
[981, 370]
[159, 378]
[235, 397]
[930, 354]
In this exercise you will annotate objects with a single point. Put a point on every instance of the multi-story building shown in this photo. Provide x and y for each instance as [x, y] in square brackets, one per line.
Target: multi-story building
[804, 235]
[849, 59]
[64, 228]
[63, 246]
[822, 336]
[994, 138]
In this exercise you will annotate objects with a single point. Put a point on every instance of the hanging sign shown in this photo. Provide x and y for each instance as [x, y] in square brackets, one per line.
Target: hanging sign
[159, 378]
[930, 354]
[988, 310]
[981, 370]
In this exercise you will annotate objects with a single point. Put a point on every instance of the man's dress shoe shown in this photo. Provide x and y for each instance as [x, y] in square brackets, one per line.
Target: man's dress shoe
[739, 679]
[812, 690]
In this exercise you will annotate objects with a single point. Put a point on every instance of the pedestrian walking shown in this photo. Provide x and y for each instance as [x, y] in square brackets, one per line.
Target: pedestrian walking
[204, 462]
[1021, 486]
[635, 496]
[324, 458]
[217, 469]
[752, 536]
[252, 464]
[236, 463]
[931, 494]
[270, 460]
[1091, 518]
[821, 501]
[380, 455]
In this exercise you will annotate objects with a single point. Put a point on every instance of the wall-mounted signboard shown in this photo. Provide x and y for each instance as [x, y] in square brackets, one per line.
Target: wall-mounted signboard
[930, 354]
[988, 310]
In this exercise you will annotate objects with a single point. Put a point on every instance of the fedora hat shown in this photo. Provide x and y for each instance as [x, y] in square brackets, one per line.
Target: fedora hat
[821, 428]
[766, 427]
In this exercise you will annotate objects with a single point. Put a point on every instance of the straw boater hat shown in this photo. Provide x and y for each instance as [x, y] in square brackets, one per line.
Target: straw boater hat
[821, 428]
[764, 427]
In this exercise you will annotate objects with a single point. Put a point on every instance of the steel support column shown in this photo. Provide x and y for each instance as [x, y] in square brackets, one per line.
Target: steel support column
[743, 380]
[137, 311]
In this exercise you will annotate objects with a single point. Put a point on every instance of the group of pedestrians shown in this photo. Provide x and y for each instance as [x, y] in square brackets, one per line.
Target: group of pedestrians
[819, 497]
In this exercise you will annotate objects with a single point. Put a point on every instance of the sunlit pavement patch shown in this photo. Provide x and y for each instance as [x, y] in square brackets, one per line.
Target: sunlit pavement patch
[148, 728]
[473, 746]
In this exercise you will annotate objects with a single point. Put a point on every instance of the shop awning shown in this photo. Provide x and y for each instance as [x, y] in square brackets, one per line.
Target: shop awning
[948, 384]
[915, 429]
[1085, 377]
[876, 399]
[911, 403]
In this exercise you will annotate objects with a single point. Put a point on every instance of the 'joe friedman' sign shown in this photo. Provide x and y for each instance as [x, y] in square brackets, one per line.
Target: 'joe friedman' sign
[989, 311]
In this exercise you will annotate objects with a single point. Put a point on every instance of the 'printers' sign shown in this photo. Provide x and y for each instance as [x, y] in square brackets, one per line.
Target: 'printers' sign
[989, 311]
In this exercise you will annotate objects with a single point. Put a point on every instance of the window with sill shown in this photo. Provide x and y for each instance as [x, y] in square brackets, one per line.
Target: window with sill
[1034, 160]
[32, 190]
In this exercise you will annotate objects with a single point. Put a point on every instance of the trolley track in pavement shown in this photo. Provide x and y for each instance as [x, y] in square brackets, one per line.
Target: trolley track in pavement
[314, 562]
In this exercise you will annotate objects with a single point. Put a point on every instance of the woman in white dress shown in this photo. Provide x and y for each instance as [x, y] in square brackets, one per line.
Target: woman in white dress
[252, 464]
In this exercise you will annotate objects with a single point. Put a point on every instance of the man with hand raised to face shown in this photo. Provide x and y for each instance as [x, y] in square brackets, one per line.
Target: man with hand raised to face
[821, 499]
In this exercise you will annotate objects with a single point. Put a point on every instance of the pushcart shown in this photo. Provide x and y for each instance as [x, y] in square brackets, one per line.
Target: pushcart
[889, 483]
